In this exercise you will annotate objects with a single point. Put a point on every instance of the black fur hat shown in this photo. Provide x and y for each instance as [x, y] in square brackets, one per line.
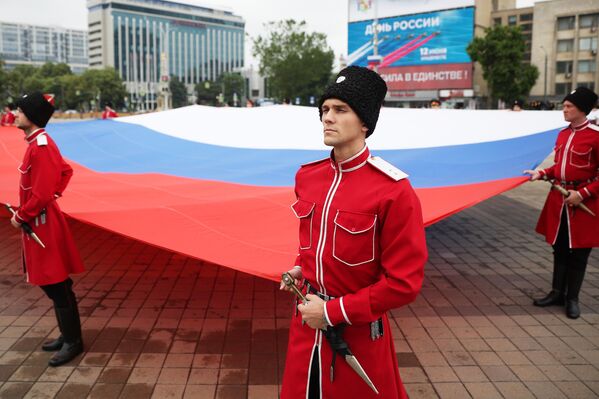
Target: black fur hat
[37, 107]
[584, 99]
[362, 89]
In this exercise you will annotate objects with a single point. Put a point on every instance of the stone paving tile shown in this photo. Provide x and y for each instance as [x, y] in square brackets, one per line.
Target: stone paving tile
[14, 390]
[158, 324]
[482, 390]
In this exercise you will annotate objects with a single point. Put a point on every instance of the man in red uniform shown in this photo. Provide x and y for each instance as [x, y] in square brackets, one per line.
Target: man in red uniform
[8, 117]
[109, 112]
[362, 251]
[571, 231]
[44, 177]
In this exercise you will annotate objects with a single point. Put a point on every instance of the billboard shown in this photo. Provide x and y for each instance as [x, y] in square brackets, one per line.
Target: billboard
[432, 44]
[428, 77]
[362, 10]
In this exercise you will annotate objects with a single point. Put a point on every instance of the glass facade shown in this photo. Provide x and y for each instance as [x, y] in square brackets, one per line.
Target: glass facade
[196, 47]
[195, 51]
[29, 44]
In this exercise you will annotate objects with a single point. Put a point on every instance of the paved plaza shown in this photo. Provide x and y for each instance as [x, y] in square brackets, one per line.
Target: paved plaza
[161, 325]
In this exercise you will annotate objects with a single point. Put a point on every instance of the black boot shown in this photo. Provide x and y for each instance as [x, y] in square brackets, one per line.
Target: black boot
[556, 296]
[576, 271]
[572, 309]
[553, 298]
[71, 329]
[54, 345]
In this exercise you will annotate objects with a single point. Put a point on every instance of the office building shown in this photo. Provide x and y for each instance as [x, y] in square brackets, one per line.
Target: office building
[149, 41]
[36, 45]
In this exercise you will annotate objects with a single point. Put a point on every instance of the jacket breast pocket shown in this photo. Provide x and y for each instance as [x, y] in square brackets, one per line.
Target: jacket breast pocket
[304, 211]
[580, 156]
[353, 238]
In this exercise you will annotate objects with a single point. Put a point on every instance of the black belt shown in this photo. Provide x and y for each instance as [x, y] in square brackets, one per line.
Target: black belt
[312, 290]
[376, 327]
[574, 183]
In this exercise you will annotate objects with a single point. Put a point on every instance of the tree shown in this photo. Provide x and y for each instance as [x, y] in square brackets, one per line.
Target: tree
[17, 78]
[233, 83]
[295, 62]
[500, 53]
[207, 92]
[103, 85]
[178, 92]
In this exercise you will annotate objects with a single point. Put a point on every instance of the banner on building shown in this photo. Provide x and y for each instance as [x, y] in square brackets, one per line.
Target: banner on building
[432, 38]
[428, 77]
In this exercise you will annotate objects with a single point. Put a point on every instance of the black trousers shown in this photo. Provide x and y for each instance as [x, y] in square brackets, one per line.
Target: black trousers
[573, 260]
[314, 385]
[61, 293]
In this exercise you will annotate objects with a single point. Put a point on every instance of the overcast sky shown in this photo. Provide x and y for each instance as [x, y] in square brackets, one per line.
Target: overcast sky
[327, 16]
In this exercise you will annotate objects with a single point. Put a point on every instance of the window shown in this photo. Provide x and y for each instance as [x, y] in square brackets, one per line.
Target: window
[587, 43]
[561, 89]
[587, 66]
[563, 67]
[565, 46]
[512, 20]
[496, 21]
[526, 27]
[526, 17]
[589, 21]
[588, 85]
[565, 23]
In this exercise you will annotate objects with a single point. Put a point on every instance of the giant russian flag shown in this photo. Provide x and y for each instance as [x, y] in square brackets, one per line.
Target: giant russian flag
[217, 183]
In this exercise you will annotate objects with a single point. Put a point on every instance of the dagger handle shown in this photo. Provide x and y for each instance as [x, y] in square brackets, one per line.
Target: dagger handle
[289, 281]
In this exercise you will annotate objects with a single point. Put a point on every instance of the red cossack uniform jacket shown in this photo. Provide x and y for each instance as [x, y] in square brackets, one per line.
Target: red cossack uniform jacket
[8, 119]
[109, 114]
[44, 177]
[576, 167]
[362, 242]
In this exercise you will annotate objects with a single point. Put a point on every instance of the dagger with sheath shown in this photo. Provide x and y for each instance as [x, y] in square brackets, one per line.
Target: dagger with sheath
[334, 337]
[26, 228]
[566, 194]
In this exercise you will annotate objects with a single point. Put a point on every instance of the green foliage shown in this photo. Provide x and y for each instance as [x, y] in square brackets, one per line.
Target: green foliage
[178, 92]
[207, 92]
[500, 54]
[296, 63]
[222, 90]
[82, 92]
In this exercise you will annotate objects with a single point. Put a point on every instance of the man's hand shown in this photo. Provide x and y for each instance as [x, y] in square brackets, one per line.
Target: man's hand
[14, 222]
[298, 278]
[574, 199]
[313, 312]
[534, 174]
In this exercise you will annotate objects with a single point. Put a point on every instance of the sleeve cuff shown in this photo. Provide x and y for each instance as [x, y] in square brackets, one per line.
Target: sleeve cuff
[584, 193]
[326, 316]
[335, 312]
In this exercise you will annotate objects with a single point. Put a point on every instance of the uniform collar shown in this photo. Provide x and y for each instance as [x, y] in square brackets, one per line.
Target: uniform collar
[352, 163]
[581, 126]
[34, 135]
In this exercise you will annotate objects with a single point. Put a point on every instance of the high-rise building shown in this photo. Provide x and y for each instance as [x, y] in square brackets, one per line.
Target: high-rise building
[36, 45]
[521, 17]
[565, 36]
[151, 40]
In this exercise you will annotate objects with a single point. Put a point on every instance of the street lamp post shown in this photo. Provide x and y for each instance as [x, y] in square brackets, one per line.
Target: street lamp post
[545, 76]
